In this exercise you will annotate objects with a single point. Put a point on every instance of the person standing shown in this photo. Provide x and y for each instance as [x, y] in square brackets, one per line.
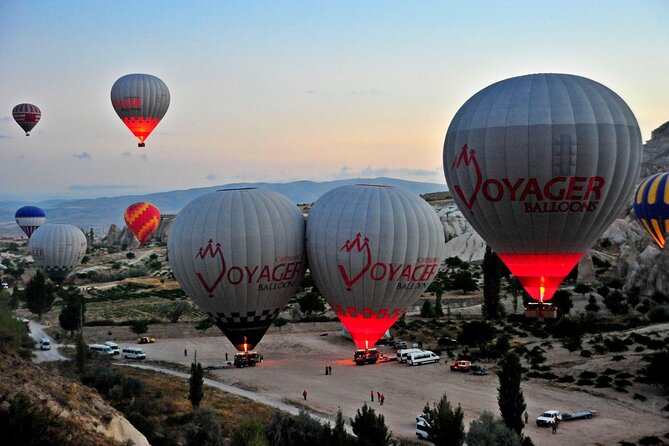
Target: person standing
[371, 394]
[326, 370]
[185, 352]
[554, 425]
[226, 356]
[330, 369]
[383, 399]
[526, 417]
[304, 394]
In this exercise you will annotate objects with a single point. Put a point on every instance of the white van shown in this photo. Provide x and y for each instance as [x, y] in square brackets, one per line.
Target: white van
[133, 353]
[403, 354]
[419, 358]
[99, 349]
[114, 347]
[45, 344]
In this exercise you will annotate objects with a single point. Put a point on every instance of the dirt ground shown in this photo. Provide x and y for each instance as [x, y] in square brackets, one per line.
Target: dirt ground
[295, 361]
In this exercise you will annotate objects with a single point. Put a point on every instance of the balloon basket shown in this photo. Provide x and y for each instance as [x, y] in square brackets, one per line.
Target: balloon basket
[540, 310]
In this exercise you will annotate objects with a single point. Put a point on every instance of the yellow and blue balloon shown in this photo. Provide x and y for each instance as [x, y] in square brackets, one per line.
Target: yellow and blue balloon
[651, 207]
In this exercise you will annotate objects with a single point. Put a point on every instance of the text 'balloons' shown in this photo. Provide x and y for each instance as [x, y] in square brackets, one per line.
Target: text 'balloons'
[540, 165]
[239, 255]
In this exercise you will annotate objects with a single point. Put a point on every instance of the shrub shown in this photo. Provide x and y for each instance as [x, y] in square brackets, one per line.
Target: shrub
[584, 382]
[650, 440]
[566, 379]
[638, 396]
[659, 314]
[586, 353]
[587, 375]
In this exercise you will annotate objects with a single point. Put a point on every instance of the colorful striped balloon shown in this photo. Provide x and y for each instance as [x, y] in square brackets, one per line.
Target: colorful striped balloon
[142, 219]
[651, 207]
[27, 116]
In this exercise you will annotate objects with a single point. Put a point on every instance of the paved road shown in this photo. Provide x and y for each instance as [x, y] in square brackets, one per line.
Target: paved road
[37, 333]
[240, 392]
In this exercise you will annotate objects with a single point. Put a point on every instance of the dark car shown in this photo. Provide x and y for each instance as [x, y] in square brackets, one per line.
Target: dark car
[368, 356]
[446, 342]
[478, 370]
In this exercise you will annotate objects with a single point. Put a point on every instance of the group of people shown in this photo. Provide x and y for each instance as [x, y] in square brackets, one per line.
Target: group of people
[380, 397]
[328, 370]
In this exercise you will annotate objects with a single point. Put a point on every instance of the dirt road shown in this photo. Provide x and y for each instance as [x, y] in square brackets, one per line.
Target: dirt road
[296, 361]
[37, 333]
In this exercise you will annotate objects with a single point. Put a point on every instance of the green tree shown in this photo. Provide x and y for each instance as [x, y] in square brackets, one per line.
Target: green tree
[303, 430]
[562, 300]
[339, 436]
[502, 345]
[39, 295]
[203, 430]
[249, 433]
[279, 322]
[196, 383]
[370, 428]
[204, 324]
[438, 309]
[492, 274]
[311, 303]
[15, 299]
[656, 370]
[509, 395]
[582, 288]
[426, 309]
[463, 280]
[13, 334]
[476, 334]
[173, 311]
[491, 431]
[81, 356]
[72, 314]
[634, 296]
[592, 304]
[445, 426]
[139, 327]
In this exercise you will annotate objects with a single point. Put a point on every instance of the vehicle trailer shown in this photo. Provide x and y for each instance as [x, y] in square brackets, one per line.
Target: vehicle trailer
[578, 414]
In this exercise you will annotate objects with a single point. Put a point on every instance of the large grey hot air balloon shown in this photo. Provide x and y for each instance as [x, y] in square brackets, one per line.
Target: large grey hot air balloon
[239, 254]
[372, 250]
[540, 165]
[57, 249]
[141, 101]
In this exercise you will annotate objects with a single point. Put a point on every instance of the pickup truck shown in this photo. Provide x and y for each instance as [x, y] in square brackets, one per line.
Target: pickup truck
[547, 418]
[461, 366]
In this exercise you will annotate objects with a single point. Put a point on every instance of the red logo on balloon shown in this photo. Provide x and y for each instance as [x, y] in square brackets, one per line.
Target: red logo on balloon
[207, 255]
[468, 158]
[359, 247]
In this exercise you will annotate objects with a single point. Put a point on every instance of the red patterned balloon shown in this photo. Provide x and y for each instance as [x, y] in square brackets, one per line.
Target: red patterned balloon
[142, 219]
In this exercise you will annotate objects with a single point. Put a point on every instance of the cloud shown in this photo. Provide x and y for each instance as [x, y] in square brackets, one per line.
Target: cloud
[362, 92]
[87, 187]
[211, 177]
[309, 91]
[82, 155]
[127, 154]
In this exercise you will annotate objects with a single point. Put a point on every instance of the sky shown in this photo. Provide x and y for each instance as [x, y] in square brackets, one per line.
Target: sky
[278, 91]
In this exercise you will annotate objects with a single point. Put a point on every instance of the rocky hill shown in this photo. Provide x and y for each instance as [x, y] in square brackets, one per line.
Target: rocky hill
[70, 412]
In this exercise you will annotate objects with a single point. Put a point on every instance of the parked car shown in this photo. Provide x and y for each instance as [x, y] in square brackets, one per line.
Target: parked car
[399, 345]
[446, 342]
[403, 355]
[366, 356]
[114, 347]
[479, 370]
[133, 353]
[146, 340]
[421, 428]
[461, 366]
[101, 350]
[45, 344]
[420, 358]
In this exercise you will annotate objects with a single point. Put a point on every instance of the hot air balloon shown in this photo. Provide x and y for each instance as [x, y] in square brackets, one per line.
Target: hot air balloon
[141, 101]
[372, 250]
[142, 219]
[540, 165]
[29, 218]
[651, 207]
[57, 249]
[27, 116]
[239, 255]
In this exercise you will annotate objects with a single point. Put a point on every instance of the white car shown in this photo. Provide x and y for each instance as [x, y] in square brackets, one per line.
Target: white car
[114, 346]
[45, 344]
[547, 418]
[422, 427]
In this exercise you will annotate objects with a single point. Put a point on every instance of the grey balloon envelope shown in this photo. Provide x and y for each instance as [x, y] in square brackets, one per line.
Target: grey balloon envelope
[540, 165]
[57, 249]
[141, 101]
[372, 250]
[239, 255]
